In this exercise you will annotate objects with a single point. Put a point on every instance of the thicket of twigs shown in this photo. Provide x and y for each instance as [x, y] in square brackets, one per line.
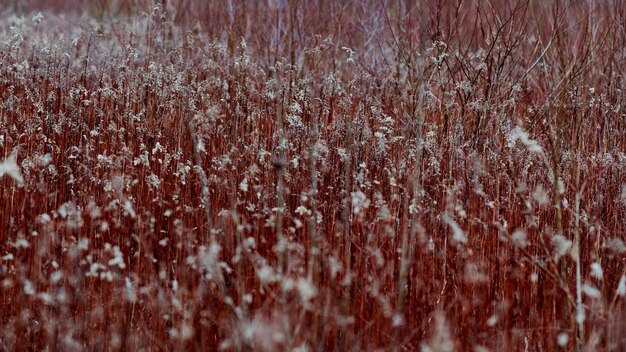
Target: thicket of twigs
[313, 175]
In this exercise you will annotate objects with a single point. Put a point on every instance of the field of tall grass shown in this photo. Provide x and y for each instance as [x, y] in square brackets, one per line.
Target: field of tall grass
[284, 175]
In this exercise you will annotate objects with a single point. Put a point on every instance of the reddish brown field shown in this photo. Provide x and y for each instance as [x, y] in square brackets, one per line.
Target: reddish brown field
[323, 175]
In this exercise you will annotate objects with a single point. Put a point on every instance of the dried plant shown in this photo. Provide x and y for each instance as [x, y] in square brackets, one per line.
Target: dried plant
[312, 175]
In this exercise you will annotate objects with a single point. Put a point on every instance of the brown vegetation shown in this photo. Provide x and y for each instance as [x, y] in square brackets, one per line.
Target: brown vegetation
[313, 175]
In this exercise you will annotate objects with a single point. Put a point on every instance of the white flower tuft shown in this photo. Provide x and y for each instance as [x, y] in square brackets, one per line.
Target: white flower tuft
[359, 202]
[561, 246]
[266, 274]
[591, 291]
[562, 339]
[519, 238]
[306, 289]
[540, 195]
[518, 134]
[457, 233]
[621, 286]
[131, 295]
[596, 271]
[9, 167]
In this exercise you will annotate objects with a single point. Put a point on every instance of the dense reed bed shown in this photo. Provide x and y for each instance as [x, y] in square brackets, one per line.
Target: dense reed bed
[313, 175]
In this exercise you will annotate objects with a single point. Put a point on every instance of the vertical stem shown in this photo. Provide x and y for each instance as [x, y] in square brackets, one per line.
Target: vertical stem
[408, 234]
[313, 195]
[580, 309]
[281, 247]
